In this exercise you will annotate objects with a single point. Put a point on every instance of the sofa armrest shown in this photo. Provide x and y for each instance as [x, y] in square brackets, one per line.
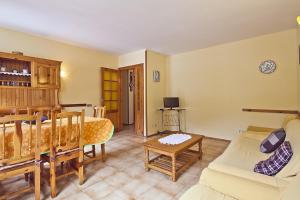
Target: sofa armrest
[260, 129]
[242, 185]
[248, 175]
[203, 192]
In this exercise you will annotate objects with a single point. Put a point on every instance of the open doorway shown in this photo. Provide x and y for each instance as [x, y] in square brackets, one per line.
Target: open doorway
[127, 104]
[132, 98]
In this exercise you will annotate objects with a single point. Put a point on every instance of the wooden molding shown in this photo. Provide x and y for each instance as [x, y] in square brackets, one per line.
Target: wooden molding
[76, 105]
[271, 111]
[29, 58]
[131, 66]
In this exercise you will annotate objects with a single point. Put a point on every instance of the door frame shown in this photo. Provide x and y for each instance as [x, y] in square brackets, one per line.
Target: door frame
[134, 68]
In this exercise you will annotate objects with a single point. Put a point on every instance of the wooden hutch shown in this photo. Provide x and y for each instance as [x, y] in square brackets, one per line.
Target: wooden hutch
[28, 81]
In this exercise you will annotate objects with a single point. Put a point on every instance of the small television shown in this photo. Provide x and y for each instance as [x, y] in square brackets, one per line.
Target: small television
[171, 102]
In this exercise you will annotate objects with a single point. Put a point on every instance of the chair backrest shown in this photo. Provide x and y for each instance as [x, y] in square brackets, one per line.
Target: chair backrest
[99, 111]
[67, 131]
[19, 142]
[8, 111]
[46, 111]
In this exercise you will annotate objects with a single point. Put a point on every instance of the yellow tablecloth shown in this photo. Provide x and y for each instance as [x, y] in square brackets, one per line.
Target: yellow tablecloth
[96, 131]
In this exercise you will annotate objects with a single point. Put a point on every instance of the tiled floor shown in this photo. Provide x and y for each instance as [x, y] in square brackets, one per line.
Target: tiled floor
[123, 176]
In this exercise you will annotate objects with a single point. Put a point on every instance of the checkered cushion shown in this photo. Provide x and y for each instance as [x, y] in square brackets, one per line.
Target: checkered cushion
[275, 162]
[273, 141]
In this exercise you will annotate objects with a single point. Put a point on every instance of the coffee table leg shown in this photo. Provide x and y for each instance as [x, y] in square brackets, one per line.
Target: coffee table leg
[173, 168]
[146, 151]
[200, 150]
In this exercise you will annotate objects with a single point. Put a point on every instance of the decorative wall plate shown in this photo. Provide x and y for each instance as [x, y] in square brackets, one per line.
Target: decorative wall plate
[267, 66]
[156, 76]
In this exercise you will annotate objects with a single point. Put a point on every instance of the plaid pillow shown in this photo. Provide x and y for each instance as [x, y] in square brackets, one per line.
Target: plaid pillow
[273, 141]
[275, 162]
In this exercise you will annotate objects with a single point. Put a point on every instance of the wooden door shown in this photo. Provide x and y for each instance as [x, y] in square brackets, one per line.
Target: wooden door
[139, 99]
[46, 75]
[111, 95]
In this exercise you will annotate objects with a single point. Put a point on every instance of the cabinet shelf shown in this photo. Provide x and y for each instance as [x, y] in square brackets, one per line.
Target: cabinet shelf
[39, 87]
[111, 90]
[14, 74]
[17, 83]
[111, 81]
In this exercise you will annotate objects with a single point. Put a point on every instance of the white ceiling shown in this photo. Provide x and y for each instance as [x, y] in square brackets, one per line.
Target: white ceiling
[167, 26]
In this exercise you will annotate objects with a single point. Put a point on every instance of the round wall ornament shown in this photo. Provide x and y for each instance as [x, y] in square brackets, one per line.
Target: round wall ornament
[267, 66]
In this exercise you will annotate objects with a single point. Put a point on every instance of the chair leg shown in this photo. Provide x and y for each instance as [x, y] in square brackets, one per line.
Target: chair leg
[37, 181]
[62, 166]
[53, 179]
[103, 152]
[94, 151]
[80, 168]
[26, 177]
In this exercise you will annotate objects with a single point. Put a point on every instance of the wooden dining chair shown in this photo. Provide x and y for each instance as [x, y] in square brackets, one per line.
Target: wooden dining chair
[99, 112]
[24, 157]
[66, 146]
[46, 111]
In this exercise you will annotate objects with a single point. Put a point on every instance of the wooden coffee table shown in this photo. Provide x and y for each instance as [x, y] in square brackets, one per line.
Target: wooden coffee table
[172, 160]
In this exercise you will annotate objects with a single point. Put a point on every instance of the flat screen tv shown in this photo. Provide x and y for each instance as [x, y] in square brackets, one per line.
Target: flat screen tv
[171, 102]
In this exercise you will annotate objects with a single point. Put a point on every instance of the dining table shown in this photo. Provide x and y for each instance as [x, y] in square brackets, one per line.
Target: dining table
[96, 131]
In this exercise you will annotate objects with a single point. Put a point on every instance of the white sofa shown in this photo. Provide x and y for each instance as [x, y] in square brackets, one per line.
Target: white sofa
[231, 175]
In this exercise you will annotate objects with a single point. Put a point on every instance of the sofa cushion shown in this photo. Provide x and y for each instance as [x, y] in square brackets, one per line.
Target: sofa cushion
[292, 191]
[273, 141]
[203, 192]
[275, 162]
[243, 151]
[242, 184]
[292, 130]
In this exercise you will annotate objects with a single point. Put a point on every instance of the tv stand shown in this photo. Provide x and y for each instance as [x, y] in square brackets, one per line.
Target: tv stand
[179, 110]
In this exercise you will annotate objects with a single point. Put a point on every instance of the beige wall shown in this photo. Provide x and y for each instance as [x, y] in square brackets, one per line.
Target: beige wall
[215, 83]
[155, 90]
[81, 66]
[132, 58]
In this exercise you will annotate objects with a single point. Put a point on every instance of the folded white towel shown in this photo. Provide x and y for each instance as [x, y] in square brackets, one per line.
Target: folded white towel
[175, 139]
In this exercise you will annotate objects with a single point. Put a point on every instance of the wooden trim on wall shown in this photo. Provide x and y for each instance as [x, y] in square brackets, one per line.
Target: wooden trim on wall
[29, 58]
[296, 112]
[131, 66]
[75, 105]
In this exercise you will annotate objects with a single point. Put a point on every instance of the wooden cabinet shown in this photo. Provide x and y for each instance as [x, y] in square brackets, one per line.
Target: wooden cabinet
[46, 75]
[28, 81]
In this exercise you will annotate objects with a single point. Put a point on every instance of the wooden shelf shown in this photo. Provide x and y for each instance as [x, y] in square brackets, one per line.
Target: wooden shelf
[38, 87]
[110, 90]
[15, 83]
[14, 86]
[14, 74]
[111, 81]
[163, 163]
[271, 111]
